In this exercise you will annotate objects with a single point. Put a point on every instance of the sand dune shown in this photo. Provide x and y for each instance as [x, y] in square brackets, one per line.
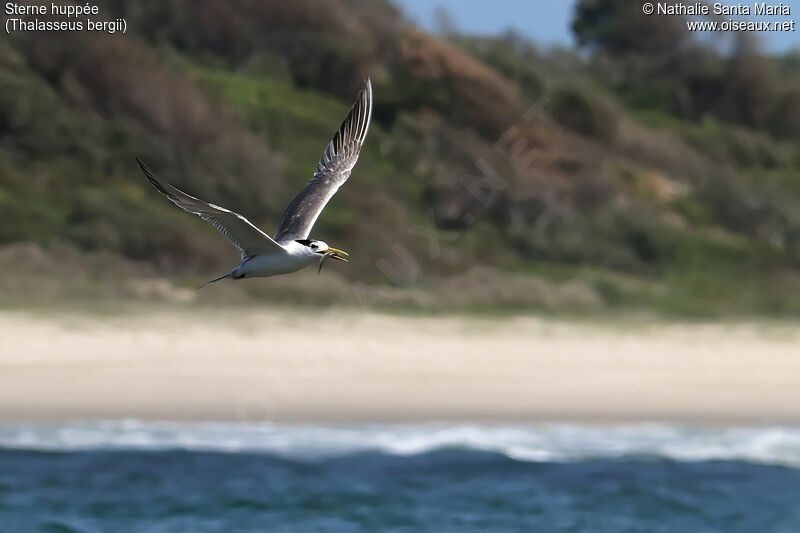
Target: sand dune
[289, 365]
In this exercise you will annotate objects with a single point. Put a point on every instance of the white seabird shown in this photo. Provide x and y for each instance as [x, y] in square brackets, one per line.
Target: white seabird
[291, 249]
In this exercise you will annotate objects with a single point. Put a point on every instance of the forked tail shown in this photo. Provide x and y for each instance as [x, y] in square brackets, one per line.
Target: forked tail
[228, 275]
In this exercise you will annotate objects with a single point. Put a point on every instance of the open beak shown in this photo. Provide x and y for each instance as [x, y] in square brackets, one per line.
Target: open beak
[331, 253]
[338, 254]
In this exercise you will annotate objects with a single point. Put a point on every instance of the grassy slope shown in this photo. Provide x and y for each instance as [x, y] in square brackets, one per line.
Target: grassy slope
[62, 180]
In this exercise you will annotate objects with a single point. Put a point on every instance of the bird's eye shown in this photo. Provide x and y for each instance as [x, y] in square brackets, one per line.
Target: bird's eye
[313, 246]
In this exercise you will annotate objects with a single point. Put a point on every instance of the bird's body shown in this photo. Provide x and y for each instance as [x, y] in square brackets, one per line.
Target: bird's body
[272, 264]
[291, 249]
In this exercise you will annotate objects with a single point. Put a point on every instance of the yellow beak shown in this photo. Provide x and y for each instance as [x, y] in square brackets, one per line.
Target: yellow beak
[331, 252]
[338, 254]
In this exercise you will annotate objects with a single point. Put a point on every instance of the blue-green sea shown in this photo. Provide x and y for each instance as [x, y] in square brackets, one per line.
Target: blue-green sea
[131, 476]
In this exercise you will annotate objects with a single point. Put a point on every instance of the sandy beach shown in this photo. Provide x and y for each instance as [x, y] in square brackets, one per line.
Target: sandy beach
[324, 365]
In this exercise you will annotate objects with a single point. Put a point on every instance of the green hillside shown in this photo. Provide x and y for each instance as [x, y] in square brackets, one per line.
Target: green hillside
[567, 181]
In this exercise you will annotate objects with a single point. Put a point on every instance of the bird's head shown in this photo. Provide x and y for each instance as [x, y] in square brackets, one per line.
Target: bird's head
[323, 251]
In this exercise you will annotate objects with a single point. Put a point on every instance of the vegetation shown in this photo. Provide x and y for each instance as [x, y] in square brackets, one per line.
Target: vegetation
[555, 181]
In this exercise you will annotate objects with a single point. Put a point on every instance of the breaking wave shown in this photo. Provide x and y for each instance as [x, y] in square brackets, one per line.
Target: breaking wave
[536, 443]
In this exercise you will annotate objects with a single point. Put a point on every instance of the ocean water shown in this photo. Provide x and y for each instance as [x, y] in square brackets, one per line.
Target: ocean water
[131, 476]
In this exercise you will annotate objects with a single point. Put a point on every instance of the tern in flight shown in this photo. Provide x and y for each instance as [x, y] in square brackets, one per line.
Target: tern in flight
[291, 249]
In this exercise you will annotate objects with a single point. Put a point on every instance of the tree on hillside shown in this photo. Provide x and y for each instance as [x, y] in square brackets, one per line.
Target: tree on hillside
[620, 28]
[748, 92]
[660, 64]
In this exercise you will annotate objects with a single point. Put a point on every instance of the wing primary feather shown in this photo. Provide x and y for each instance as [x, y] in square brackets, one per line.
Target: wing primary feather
[236, 228]
[338, 160]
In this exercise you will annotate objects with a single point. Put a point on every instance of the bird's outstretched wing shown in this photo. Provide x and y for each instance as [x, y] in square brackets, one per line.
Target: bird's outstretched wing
[333, 170]
[237, 229]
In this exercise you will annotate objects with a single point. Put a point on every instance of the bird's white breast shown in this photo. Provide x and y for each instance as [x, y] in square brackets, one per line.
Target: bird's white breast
[272, 264]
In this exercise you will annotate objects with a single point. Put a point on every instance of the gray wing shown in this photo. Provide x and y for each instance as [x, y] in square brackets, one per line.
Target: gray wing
[332, 171]
[237, 229]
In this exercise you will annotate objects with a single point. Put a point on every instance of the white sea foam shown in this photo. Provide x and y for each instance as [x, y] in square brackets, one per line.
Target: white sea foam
[543, 442]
